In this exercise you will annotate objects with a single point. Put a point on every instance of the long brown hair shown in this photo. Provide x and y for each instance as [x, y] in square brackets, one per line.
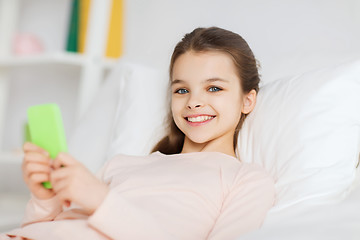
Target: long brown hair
[212, 39]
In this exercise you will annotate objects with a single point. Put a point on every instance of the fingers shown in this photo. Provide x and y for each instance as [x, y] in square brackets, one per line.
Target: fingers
[60, 185]
[63, 160]
[36, 165]
[59, 174]
[60, 179]
[39, 177]
[67, 203]
[30, 147]
[32, 168]
[37, 157]
[35, 162]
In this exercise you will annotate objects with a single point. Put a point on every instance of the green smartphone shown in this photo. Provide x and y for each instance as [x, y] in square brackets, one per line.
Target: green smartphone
[46, 130]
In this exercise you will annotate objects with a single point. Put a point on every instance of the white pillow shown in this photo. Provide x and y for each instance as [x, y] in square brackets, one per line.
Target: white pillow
[125, 117]
[305, 131]
[89, 141]
[141, 110]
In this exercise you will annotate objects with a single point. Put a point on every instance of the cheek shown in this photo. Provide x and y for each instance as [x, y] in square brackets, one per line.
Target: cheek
[237, 109]
[176, 113]
[230, 107]
[173, 106]
[178, 104]
[176, 108]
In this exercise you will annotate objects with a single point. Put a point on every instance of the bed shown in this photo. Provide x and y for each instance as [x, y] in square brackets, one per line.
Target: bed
[304, 131]
[331, 221]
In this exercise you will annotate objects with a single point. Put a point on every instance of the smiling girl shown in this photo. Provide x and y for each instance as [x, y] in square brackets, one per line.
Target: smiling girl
[191, 187]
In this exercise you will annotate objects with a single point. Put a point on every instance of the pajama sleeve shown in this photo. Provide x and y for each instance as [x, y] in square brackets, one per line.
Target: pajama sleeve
[137, 223]
[245, 207]
[41, 210]
[133, 221]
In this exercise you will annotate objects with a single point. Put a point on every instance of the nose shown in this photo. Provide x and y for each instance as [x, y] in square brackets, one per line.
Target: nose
[195, 102]
[193, 107]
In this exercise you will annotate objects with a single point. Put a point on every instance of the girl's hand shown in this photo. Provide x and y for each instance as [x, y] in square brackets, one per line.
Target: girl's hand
[36, 168]
[73, 182]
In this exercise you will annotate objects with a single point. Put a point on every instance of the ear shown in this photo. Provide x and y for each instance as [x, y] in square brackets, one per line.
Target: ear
[249, 101]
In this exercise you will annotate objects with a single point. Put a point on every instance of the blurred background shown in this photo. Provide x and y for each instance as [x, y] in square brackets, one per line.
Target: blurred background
[39, 62]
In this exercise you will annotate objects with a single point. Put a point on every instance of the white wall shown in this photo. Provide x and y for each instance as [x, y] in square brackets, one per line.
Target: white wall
[287, 37]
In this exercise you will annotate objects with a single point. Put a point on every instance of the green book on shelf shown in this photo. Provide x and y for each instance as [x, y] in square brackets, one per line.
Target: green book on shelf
[72, 38]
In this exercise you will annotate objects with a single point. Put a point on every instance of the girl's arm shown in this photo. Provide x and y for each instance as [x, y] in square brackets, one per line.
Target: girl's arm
[245, 207]
[133, 223]
[74, 183]
[119, 218]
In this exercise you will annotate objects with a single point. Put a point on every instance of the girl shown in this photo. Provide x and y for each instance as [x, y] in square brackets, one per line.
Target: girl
[191, 187]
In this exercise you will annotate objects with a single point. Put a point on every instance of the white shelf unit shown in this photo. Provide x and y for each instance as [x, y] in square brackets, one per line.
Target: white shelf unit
[65, 58]
[92, 64]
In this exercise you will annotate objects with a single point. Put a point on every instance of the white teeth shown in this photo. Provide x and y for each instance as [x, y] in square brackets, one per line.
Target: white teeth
[199, 118]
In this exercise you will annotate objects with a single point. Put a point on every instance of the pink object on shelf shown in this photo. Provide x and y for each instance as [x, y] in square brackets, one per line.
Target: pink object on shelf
[27, 44]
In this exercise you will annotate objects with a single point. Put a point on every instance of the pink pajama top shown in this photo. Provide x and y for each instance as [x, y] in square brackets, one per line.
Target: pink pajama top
[203, 195]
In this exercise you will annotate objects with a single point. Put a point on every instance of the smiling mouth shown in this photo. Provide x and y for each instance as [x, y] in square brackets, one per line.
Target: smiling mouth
[199, 119]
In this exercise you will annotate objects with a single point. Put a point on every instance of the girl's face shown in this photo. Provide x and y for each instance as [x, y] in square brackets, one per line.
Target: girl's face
[207, 100]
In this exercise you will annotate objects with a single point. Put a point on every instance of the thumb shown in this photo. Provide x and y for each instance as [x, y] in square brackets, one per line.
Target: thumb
[63, 160]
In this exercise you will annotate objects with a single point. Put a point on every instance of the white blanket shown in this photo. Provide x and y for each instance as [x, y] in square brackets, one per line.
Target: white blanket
[314, 222]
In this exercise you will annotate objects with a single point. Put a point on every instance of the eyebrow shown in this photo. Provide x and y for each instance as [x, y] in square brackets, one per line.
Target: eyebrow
[210, 80]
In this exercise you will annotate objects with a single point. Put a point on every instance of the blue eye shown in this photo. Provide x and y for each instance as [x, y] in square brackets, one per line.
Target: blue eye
[214, 89]
[181, 91]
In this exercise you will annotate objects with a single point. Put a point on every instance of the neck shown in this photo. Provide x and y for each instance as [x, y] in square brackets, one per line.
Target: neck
[222, 146]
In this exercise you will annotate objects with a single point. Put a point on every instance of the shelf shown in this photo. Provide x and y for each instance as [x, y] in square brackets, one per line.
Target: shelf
[64, 58]
[91, 67]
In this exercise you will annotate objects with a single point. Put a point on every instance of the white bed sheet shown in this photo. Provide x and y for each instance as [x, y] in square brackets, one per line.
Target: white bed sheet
[313, 221]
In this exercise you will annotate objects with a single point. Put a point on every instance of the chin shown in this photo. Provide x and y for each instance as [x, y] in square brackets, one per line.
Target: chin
[199, 139]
